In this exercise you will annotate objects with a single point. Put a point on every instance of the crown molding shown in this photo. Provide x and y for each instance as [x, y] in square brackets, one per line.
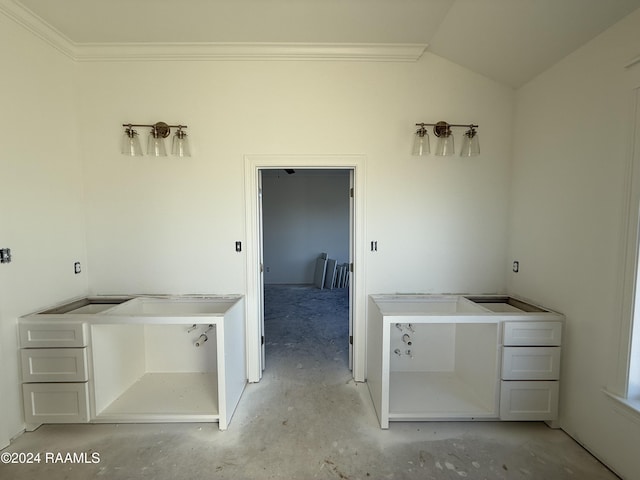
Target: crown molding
[633, 62]
[37, 26]
[249, 51]
[131, 52]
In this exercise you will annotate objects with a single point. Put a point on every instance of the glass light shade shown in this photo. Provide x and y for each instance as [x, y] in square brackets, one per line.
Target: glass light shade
[155, 146]
[420, 143]
[444, 146]
[131, 143]
[180, 145]
[470, 144]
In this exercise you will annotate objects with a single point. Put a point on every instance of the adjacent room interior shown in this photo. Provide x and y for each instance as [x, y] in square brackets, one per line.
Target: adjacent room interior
[305, 215]
[539, 103]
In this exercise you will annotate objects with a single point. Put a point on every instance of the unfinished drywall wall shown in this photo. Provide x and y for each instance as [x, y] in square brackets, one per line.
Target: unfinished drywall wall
[572, 146]
[304, 214]
[41, 196]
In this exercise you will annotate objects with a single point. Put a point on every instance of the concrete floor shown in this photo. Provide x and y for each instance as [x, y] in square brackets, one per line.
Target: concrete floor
[307, 419]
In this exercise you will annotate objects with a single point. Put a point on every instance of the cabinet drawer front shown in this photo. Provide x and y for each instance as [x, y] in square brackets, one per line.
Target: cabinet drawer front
[528, 400]
[532, 333]
[52, 334]
[531, 363]
[56, 402]
[54, 364]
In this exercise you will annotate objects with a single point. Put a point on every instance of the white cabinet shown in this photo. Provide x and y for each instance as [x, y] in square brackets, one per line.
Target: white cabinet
[55, 403]
[530, 371]
[54, 364]
[55, 372]
[142, 359]
[532, 333]
[451, 357]
[526, 400]
[58, 334]
[530, 363]
[432, 358]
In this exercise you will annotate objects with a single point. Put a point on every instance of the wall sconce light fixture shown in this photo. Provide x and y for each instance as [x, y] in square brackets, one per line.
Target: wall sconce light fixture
[155, 145]
[445, 143]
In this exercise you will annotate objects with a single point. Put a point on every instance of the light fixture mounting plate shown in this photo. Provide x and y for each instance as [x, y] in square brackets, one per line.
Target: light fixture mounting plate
[441, 128]
[162, 129]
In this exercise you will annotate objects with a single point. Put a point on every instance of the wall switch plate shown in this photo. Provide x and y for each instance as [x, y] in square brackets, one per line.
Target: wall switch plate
[77, 268]
[5, 255]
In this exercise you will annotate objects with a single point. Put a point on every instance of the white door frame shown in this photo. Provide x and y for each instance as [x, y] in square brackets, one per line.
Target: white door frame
[252, 165]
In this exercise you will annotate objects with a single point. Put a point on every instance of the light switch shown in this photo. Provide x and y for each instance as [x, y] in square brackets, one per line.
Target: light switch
[5, 255]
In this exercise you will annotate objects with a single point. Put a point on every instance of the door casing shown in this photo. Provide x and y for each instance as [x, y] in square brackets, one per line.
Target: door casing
[254, 308]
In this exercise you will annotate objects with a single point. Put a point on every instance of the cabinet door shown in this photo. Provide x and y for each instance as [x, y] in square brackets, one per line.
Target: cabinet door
[532, 333]
[54, 364]
[55, 402]
[531, 363]
[528, 400]
[48, 333]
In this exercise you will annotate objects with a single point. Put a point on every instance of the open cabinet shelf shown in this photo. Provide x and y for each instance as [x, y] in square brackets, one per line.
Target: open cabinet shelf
[429, 395]
[146, 372]
[185, 396]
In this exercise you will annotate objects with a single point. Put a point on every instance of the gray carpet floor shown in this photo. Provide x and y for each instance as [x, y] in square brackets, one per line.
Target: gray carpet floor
[308, 419]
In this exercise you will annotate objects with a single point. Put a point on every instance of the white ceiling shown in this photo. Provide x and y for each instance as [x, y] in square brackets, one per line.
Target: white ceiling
[510, 41]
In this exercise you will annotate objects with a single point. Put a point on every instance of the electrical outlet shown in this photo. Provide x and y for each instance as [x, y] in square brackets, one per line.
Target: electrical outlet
[516, 266]
[77, 268]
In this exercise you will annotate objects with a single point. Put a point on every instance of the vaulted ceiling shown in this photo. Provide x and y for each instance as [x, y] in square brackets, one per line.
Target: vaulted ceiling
[510, 41]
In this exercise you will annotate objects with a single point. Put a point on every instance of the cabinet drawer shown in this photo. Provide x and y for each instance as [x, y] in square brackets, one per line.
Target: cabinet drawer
[531, 363]
[522, 400]
[52, 334]
[55, 402]
[54, 364]
[532, 333]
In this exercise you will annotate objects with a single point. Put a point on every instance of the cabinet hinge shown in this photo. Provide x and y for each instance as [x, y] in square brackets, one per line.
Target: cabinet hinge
[350, 339]
[351, 267]
[351, 192]
[262, 340]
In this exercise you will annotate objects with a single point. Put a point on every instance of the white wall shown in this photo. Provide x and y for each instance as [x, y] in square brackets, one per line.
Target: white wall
[304, 214]
[572, 142]
[170, 225]
[41, 195]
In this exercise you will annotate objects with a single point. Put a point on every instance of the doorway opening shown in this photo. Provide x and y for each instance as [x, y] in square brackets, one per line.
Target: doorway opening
[306, 238]
[254, 165]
